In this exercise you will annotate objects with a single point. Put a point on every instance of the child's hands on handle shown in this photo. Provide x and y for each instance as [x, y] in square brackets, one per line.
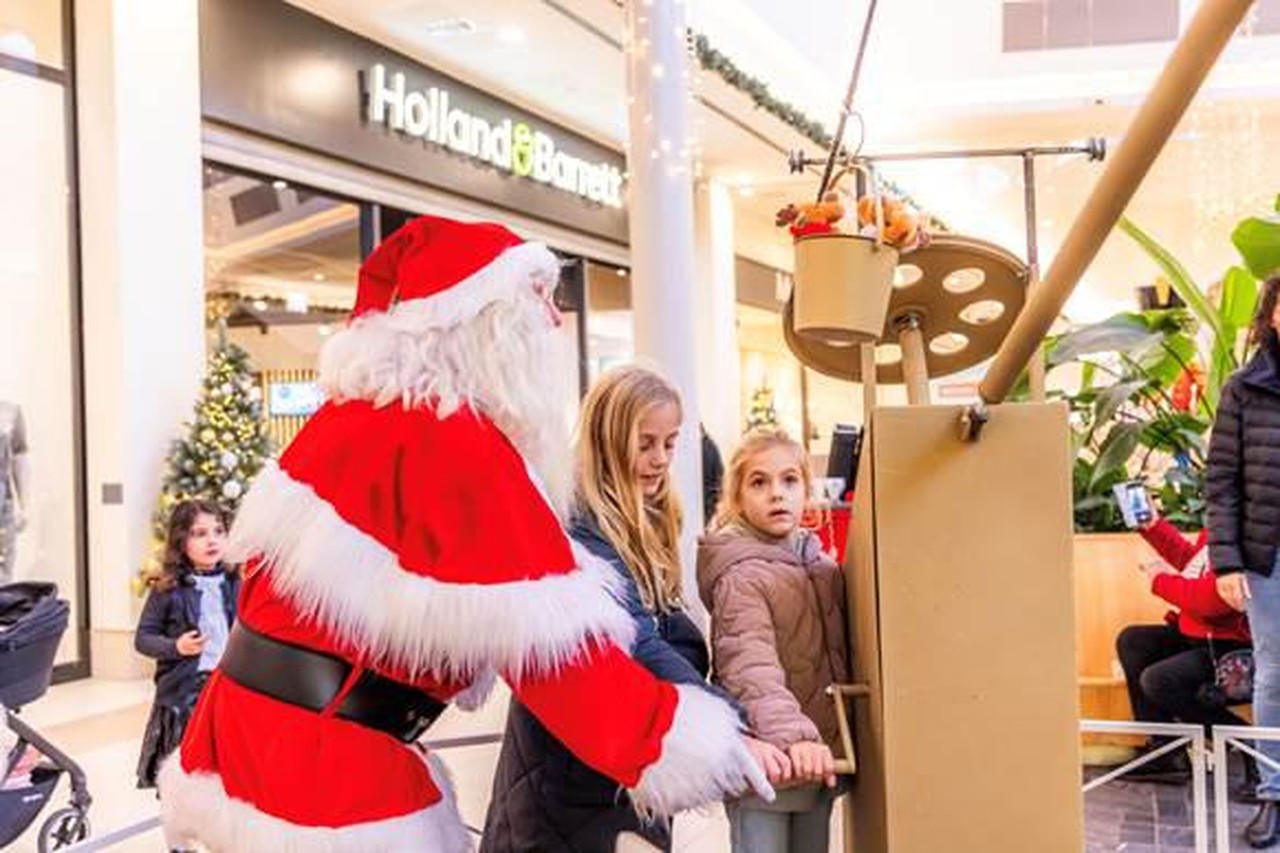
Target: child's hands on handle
[813, 762]
[190, 644]
[772, 760]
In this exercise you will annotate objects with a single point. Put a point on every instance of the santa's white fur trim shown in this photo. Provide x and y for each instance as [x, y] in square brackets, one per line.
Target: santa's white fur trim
[355, 587]
[374, 341]
[194, 807]
[704, 759]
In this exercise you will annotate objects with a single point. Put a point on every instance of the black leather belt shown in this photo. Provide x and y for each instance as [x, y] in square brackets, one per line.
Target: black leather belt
[312, 680]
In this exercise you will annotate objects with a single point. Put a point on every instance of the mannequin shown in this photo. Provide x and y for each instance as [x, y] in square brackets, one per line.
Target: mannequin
[15, 486]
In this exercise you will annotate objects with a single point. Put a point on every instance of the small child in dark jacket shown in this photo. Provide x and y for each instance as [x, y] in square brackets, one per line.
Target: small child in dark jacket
[184, 625]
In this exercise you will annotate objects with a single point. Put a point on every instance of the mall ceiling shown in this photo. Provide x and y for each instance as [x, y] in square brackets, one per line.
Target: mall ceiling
[951, 86]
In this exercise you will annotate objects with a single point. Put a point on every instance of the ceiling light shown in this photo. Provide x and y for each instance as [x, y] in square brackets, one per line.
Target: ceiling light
[450, 27]
[511, 35]
[280, 185]
[318, 277]
[622, 273]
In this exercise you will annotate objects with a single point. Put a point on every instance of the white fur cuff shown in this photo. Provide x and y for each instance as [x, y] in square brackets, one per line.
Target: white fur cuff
[704, 759]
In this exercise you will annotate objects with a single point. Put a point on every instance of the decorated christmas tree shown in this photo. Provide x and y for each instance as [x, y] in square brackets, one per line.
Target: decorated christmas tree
[225, 447]
[762, 413]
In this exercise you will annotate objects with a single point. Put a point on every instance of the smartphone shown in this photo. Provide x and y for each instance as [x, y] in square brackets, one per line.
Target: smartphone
[1135, 503]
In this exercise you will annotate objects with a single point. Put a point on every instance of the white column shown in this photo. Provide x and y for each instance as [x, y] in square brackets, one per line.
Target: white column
[716, 316]
[662, 233]
[141, 214]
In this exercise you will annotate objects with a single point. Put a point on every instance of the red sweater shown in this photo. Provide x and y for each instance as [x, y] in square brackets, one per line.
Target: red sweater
[1201, 611]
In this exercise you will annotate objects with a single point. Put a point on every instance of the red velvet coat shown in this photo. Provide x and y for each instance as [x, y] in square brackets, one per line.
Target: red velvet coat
[421, 547]
[1201, 611]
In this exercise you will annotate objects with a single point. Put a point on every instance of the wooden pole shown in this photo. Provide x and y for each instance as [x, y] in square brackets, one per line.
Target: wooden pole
[868, 355]
[1206, 36]
[915, 370]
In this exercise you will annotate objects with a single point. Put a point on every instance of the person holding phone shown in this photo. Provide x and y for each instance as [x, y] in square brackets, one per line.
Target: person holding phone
[1243, 489]
[1168, 667]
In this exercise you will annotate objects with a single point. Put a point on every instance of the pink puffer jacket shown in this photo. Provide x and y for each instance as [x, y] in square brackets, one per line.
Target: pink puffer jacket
[777, 632]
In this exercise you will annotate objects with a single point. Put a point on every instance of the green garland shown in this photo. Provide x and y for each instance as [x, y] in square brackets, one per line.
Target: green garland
[755, 88]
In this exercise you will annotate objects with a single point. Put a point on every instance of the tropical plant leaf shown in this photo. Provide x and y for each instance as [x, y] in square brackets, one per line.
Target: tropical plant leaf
[1113, 397]
[1115, 451]
[1123, 333]
[1166, 363]
[1181, 281]
[1258, 241]
[1239, 299]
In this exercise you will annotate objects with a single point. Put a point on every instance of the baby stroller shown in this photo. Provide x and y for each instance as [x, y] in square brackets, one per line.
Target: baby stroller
[32, 622]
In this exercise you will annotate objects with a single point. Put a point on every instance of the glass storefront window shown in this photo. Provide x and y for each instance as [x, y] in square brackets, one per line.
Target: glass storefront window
[31, 30]
[40, 495]
[280, 268]
[611, 338]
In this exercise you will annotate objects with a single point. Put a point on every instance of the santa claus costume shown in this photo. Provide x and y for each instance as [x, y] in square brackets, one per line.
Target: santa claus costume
[402, 552]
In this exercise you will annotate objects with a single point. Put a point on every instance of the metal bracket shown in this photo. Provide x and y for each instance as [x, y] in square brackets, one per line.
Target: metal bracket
[972, 420]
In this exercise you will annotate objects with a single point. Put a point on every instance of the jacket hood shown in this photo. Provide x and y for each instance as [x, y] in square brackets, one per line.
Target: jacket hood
[1263, 370]
[720, 552]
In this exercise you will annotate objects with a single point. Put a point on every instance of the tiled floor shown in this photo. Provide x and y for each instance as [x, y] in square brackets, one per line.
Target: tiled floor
[1147, 818]
[100, 722]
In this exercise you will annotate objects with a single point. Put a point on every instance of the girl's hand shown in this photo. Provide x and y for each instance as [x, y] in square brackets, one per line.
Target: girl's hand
[190, 644]
[813, 761]
[772, 760]
[1234, 589]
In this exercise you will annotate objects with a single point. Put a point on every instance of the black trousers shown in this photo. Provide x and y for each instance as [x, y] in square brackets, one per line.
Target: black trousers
[1164, 669]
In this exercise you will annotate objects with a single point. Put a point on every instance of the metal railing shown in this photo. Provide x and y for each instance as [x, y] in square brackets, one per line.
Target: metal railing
[1242, 738]
[1182, 735]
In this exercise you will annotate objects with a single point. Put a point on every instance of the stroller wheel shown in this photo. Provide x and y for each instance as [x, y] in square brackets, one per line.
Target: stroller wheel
[63, 828]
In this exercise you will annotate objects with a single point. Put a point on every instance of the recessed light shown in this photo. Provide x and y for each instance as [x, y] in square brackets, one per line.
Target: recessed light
[318, 277]
[280, 185]
[622, 273]
[450, 27]
[511, 35]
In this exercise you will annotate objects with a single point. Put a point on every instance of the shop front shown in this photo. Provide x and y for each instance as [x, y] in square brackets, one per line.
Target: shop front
[318, 143]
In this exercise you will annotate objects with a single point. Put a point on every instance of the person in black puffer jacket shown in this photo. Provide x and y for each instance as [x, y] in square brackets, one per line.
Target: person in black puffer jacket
[1243, 485]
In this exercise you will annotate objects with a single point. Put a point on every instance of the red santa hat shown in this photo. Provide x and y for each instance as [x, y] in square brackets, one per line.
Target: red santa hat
[439, 273]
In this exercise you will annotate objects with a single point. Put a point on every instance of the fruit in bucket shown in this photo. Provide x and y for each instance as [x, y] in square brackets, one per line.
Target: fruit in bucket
[901, 221]
[819, 218]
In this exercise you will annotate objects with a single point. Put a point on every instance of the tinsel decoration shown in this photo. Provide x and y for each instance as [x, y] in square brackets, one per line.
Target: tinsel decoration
[755, 88]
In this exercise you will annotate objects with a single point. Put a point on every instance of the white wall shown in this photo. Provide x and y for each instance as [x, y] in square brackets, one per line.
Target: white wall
[139, 102]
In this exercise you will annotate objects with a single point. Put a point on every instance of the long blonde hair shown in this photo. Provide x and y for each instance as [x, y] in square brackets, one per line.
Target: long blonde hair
[645, 531]
[729, 510]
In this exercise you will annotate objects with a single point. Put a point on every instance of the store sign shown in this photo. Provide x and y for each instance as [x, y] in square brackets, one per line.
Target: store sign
[510, 145]
[276, 71]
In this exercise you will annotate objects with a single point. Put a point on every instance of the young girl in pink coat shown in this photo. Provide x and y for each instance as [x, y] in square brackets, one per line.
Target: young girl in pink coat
[777, 607]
